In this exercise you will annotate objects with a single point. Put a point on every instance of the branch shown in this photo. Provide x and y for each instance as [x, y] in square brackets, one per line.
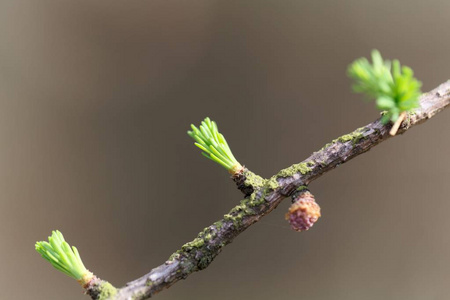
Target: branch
[264, 195]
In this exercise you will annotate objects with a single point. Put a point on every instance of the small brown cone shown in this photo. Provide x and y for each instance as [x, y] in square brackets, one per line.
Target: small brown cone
[304, 212]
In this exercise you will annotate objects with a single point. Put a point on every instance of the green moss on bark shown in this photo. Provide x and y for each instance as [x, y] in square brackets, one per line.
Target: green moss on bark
[355, 137]
[106, 291]
[302, 168]
[253, 180]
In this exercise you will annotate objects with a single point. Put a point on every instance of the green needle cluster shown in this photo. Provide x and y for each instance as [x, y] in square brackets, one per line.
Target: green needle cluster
[395, 90]
[63, 257]
[214, 146]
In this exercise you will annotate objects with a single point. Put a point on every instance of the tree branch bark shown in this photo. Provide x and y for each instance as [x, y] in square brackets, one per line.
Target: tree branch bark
[263, 195]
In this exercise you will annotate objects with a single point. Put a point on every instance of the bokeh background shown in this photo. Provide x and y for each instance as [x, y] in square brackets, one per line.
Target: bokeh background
[95, 101]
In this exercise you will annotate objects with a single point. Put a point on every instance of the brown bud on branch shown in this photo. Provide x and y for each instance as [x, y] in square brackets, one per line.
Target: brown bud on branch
[304, 211]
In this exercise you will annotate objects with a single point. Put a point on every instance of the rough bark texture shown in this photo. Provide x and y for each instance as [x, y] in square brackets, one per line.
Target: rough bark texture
[263, 195]
[99, 289]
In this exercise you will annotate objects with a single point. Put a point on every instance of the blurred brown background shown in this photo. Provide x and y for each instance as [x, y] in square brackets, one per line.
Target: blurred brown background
[95, 101]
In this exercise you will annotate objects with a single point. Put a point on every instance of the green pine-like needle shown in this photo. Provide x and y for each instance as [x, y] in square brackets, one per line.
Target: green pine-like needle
[392, 86]
[61, 256]
[214, 146]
